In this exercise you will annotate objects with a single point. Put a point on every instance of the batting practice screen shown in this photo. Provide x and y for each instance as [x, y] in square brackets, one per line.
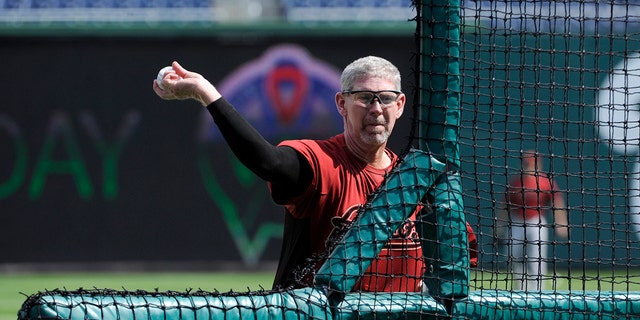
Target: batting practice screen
[521, 179]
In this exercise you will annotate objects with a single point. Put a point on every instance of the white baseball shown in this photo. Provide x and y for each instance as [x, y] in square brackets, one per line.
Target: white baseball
[161, 74]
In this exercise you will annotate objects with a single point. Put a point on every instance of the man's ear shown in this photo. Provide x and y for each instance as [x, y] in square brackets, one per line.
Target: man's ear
[402, 100]
[340, 104]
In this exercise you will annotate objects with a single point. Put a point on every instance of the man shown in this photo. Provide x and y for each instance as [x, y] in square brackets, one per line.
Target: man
[528, 198]
[322, 183]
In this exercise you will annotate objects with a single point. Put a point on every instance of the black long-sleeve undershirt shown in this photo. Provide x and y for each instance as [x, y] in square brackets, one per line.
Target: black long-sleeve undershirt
[284, 167]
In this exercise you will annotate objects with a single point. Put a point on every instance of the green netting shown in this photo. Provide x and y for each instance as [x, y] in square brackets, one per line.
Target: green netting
[419, 179]
[502, 304]
[444, 239]
[312, 304]
[306, 303]
[388, 305]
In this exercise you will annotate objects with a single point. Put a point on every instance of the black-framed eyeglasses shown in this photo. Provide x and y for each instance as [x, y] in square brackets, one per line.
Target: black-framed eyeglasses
[385, 97]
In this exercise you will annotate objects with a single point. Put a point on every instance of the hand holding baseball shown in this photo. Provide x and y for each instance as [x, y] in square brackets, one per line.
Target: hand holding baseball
[177, 83]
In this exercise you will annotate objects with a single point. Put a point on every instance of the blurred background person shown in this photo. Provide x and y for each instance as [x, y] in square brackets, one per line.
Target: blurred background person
[522, 221]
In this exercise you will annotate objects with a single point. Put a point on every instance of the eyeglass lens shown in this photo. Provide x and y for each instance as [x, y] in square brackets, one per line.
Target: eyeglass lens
[367, 98]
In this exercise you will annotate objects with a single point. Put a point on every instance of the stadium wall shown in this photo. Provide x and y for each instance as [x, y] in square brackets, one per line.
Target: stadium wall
[93, 159]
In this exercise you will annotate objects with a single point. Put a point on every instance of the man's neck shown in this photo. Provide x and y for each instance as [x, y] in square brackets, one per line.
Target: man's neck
[376, 156]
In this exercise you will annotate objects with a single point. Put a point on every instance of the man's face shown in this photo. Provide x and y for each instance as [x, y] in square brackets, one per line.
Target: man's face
[370, 122]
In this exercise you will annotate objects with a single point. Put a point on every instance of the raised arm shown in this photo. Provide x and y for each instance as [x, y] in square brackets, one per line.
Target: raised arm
[281, 166]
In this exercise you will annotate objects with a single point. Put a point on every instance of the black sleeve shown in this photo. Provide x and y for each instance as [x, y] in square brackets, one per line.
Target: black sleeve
[282, 166]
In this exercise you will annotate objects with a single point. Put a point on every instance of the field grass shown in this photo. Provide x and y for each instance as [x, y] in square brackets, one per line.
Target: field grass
[574, 280]
[14, 287]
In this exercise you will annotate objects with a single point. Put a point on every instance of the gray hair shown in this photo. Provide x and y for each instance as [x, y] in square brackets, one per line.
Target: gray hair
[370, 66]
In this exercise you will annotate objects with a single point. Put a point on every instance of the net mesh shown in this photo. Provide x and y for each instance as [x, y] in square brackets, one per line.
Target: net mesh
[554, 85]
[112, 304]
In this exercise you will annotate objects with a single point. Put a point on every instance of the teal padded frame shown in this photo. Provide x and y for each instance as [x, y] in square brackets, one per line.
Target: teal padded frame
[542, 305]
[397, 305]
[309, 303]
[306, 303]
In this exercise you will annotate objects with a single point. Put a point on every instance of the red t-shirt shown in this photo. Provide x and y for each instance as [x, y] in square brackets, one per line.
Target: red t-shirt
[529, 195]
[339, 187]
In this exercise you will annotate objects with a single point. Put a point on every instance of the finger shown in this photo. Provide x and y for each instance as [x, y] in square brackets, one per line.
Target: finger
[161, 93]
[156, 87]
[172, 77]
[182, 72]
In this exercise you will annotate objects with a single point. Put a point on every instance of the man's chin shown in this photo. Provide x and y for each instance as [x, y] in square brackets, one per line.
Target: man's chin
[375, 138]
